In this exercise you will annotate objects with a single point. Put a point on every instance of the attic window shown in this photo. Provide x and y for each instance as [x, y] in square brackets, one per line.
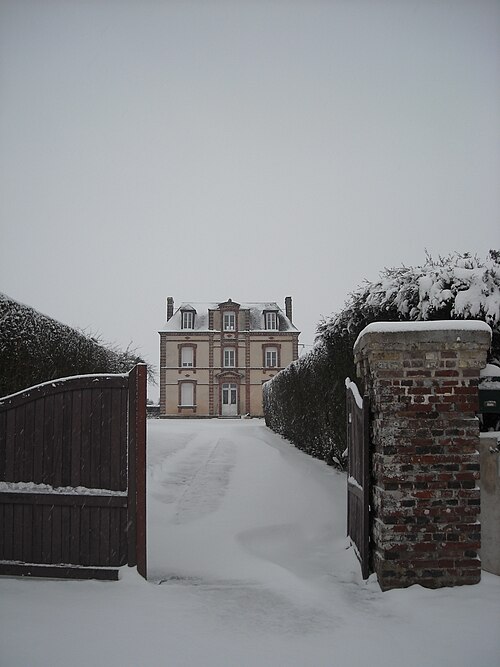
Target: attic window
[229, 321]
[271, 319]
[187, 321]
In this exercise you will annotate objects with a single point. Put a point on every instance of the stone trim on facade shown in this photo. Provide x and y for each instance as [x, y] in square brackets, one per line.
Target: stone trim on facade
[208, 341]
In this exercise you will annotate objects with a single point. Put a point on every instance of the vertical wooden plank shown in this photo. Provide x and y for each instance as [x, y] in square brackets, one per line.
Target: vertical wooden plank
[123, 536]
[349, 447]
[8, 530]
[29, 441]
[3, 443]
[17, 532]
[95, 529]
[47, 528]
[19, 443]
[105, 444]
[10, 446]
[48, 441]
[66, 438]
[358, 494]
[65, 534]
[104, 536]
[56, 555]
[124, 443]
[86, 432]
[38, 441]
[115, 444]
[75, 535]
[140, 426]
[95, 438]
[58, 440]
[2, 531]
[37, 533]
[132, 478]
[76, 439]
[28, 532]
[366, 565]
[84, 554]
[114, 536]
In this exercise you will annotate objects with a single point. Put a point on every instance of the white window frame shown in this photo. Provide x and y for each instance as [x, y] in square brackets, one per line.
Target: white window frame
[230, 392]
[190, 397]
[270, 355]
[187, 356]
[271, 320]
[229, 321]
[229, 357]
[187, 321]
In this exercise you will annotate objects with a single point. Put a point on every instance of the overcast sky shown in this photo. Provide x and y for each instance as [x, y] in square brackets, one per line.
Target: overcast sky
[246, 150]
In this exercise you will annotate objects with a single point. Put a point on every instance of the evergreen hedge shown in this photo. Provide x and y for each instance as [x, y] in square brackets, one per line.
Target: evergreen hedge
[306, 401]
[35, 348]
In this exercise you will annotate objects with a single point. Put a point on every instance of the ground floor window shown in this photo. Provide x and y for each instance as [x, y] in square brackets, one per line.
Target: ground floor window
[186, 394]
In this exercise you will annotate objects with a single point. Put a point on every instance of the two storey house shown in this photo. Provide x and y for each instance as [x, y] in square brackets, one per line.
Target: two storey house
[215, 357]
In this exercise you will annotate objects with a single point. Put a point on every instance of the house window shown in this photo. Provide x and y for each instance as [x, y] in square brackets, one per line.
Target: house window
[187, 394]
[187, 356]
[229, 357]
[187, 319]
[271, 357]
[229, 321]
[271, 320]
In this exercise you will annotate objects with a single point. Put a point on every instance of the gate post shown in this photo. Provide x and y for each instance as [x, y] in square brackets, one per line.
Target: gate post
[422, 380]
[137, 469]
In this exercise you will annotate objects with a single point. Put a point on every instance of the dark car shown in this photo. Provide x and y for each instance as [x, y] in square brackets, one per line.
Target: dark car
[489, 398]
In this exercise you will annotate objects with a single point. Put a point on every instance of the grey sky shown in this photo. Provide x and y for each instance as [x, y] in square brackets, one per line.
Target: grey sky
[251, 150]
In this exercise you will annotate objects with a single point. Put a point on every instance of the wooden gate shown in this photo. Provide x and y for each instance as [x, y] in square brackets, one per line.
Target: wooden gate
[358, 470]
[73, 477]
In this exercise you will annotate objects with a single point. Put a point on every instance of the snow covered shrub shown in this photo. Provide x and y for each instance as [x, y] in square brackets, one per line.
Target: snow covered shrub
[306, 401]
[35, 348]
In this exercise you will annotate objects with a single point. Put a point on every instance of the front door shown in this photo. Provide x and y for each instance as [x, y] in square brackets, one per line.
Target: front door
[229, 399]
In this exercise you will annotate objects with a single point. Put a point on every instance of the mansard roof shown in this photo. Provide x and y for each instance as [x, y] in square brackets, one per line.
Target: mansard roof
[256, 311]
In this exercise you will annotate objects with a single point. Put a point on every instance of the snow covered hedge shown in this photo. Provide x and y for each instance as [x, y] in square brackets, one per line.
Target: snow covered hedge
[306, 401]
[35, 348]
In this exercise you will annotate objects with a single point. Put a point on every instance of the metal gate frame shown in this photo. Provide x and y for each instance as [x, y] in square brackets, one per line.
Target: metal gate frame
[358, 474]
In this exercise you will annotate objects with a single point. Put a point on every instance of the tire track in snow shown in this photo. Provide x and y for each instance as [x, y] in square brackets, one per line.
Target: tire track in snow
[208, 486]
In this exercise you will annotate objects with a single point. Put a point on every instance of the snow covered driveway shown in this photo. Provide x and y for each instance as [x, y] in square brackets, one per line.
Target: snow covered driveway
[248, 567]
[230, 503]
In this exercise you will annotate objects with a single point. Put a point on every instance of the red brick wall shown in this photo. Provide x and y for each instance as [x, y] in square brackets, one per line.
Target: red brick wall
[425, 465]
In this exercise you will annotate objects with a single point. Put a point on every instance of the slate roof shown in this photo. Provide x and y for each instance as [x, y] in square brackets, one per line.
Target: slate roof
[256, 316]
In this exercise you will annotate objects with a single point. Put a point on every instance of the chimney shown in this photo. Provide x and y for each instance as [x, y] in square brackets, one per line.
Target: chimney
[170, 307]
[288, 307]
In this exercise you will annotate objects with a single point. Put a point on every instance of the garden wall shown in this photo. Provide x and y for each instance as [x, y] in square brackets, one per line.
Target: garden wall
[422, 382]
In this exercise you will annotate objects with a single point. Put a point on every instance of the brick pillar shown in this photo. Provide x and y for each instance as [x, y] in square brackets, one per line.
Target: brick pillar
[422, 380]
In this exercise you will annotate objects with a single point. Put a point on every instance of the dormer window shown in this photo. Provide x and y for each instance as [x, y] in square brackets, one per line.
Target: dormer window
[229, 321]
[271, 320]
[187, 321]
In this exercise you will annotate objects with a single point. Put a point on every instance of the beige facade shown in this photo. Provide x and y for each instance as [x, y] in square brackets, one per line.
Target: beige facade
[214, 358]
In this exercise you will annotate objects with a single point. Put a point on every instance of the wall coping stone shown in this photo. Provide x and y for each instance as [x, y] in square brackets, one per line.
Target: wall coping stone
[436, 331]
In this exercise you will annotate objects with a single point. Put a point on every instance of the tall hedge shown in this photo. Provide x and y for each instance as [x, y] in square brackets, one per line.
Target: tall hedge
[306, 401]
[35, 348]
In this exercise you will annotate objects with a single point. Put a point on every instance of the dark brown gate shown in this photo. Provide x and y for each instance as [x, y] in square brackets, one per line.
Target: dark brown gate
[72, 477]
[358, 470]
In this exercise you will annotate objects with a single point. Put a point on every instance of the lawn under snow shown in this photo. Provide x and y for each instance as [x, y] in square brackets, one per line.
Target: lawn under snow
[247, 539]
